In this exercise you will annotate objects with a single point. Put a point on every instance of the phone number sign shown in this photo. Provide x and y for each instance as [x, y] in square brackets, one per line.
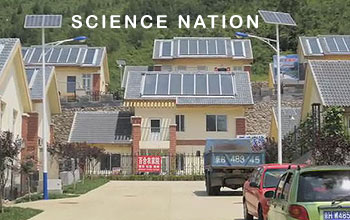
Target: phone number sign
[149, 164]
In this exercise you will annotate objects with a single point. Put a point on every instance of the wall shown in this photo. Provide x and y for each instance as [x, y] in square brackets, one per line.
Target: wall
[210, 63]
[63, 72]
[114, 148]
[311, 94]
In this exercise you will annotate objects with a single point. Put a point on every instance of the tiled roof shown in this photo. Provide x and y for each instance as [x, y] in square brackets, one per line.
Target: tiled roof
[290, 118]
[34, 79]
[202, 47]
[127, 69]
[6, 48]
[325, 45]
[101, 127]
[333, 81]
[65, 55]
[243, 92]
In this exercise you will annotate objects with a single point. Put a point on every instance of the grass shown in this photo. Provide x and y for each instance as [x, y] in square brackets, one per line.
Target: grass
[39, 196]
[16, 213]
[88, 185]
[259, 77]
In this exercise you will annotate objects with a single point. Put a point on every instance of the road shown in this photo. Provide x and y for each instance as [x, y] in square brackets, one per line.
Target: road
[136, 200]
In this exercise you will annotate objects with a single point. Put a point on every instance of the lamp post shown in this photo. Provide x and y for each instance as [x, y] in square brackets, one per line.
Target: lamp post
[121, 64]
[43, 120]
[269, 42]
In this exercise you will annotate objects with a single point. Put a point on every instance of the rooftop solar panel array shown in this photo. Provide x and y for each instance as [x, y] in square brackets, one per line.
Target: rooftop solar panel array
[64, 55]
[43, 21]
[330, 44]
[185, 84]
[202, 47]
[272, 17]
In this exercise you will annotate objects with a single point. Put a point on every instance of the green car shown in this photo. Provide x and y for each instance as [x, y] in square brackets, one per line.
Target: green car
[320, 192]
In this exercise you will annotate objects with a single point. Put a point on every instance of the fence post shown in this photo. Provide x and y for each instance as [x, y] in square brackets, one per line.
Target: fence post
[172, 148]
[136, 137]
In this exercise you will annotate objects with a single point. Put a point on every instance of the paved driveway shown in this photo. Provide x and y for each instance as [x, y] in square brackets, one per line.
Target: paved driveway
[131, 200]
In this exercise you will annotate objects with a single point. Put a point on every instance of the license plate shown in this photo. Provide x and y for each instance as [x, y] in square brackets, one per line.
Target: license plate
[336, 215]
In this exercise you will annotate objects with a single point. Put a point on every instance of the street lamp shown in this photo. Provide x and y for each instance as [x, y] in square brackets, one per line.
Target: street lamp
[121, 64]
[277, 18]
[42, 22]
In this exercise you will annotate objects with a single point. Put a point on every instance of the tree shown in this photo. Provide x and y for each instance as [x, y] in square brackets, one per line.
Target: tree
[9, 151]
[27, 169]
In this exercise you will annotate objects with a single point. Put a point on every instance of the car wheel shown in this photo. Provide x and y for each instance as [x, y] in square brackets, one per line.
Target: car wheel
[247, 216]
[211, 190]
[260, 213]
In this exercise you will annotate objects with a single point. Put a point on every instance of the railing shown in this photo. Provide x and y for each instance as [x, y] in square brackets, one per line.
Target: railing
[154, 133]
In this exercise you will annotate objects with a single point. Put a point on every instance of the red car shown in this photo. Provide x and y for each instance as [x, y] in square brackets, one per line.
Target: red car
[264, 178]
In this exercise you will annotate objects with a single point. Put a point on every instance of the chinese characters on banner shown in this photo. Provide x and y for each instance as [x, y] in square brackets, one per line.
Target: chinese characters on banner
[149, 164]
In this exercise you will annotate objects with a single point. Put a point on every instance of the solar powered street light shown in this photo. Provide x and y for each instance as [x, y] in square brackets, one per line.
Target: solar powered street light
[277, 18]
[121, 64]
[43, 22]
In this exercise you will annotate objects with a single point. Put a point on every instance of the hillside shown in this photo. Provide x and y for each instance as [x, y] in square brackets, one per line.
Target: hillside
[135, 45]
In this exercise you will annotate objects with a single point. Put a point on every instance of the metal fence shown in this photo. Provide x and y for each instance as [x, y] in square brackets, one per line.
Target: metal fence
[122, 164]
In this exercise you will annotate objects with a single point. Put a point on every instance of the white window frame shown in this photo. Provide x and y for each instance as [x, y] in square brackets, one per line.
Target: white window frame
[87, 82]
[216, 122]
[150, 125]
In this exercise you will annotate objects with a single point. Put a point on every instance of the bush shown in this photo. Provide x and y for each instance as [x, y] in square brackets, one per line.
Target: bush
[156, 177]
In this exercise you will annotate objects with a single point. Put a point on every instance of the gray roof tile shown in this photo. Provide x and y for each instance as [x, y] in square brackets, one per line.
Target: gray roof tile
[101, 127]
[34, 79]
[6, 48]
[333, 80]
[290, 118]
[127, 69]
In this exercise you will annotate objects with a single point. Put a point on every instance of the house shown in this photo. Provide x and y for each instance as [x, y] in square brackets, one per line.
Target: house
[175, 112]
[202, 54]
[80, 69]
[324, 47]
[109, 130]
[15, 102]
[290, 120]
[327, 83]
[34, 137]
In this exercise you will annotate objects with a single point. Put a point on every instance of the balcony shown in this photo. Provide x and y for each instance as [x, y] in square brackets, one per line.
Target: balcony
[154, 138]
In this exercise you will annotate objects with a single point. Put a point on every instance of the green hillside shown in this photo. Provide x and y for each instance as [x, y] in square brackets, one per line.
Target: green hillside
[135, 45]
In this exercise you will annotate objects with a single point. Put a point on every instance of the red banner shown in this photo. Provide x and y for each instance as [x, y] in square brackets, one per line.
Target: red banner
[149, 164]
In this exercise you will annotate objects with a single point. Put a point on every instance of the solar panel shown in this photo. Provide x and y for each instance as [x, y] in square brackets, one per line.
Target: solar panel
[341, 44]
[73, 55]
[202, 47]
[226, 84]
[183, 47]
[175, 84]
[211, 47]
[314, 47]
[188, 84]
[43, 21]
[193, 47]
[166, 48]
[214, 84]
[150, 84]
[36, 55]
[163, 84]
[64, 55]
[238, 48]
[221, 47]
[331, 44]
[347, 42]
[272, 17]
[89, 58]
[201, 84]
[54, 56]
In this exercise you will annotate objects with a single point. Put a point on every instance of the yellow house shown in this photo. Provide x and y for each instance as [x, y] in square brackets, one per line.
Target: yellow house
[290, 121]
[202, 54]
[324, 47]
[175, 112]
[327, 83]
[80, 70]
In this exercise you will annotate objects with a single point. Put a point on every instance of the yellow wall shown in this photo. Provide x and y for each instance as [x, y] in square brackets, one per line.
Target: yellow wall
[311, 94]
[273, 127]
[63, 72]
[210, 63]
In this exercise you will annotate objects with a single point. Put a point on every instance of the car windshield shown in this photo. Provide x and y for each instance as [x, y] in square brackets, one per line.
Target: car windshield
[323, 185]
[272, 177]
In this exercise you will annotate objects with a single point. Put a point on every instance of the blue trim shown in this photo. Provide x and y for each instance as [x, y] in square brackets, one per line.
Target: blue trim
[45, 190]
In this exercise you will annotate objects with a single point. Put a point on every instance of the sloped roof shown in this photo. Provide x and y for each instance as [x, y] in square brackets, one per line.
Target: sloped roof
[325, 45]
[202, 47]
[7, 46]
[101, 127]
[332, 79]
[239, 82]
[34, 78]
[65, 55]
[127, 69]
[290, 118]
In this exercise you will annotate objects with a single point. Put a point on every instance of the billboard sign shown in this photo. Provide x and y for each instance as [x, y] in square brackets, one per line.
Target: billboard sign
[152, 164]
[289, 67]
[257, 141]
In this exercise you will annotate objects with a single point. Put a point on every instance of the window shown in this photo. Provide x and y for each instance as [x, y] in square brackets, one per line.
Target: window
[237, 68]
[181, 68]
[110, 161]
[180, 122]
[216, 123]
[87, 82]
[14, 119]
[286, 188]
[155, 126]
[71, 84]
[280, 185]
[204, 68]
